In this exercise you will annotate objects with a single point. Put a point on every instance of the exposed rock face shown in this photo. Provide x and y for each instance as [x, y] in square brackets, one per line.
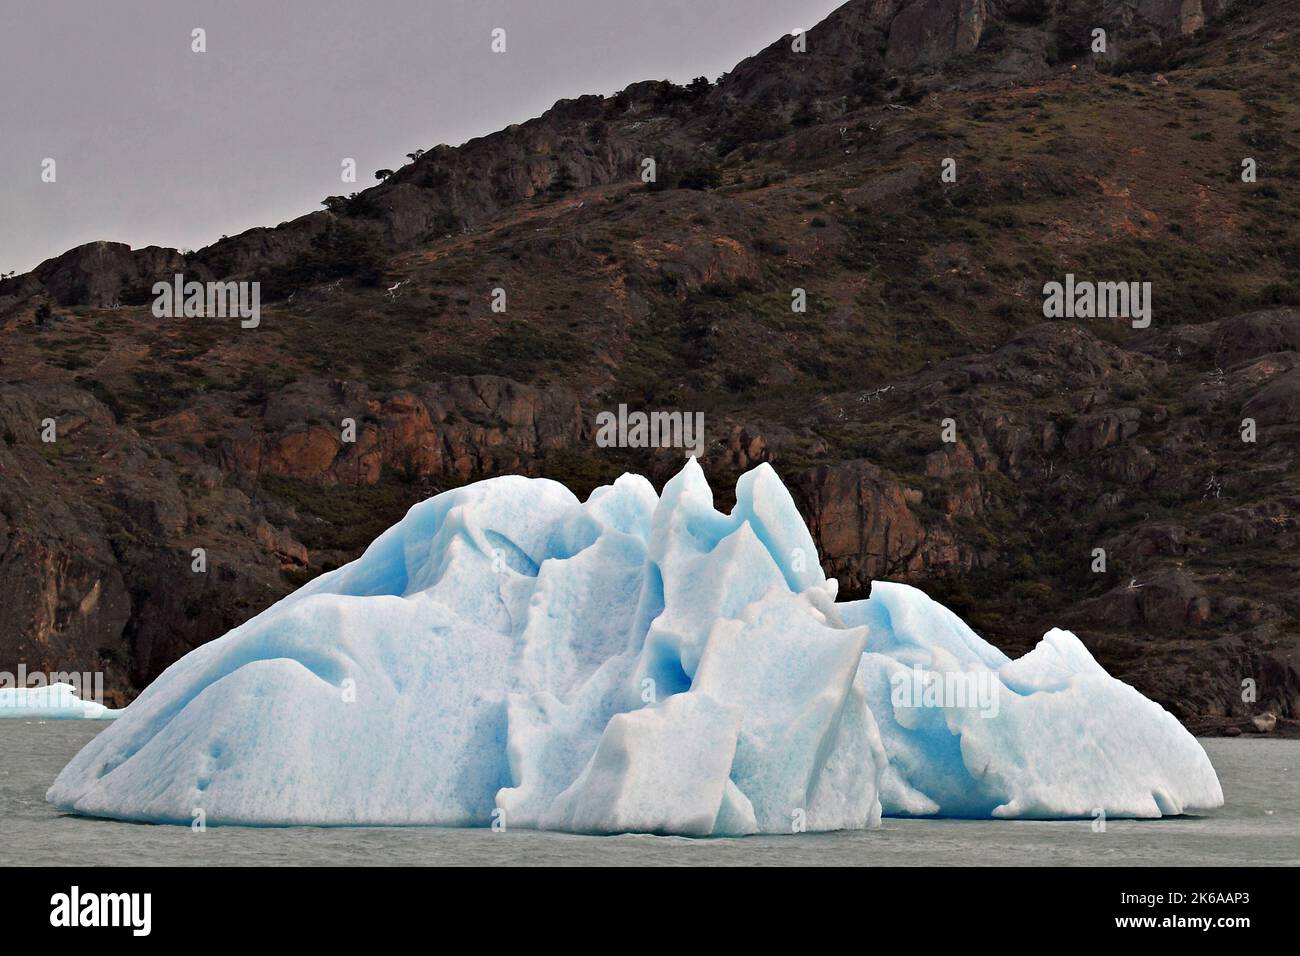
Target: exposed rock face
[94, 563]
[460, 428]
[252, 252]
[932, 31]
[98, 273]
[863, 523]
[64, 592]
[1170, 601]
[1180, 16]
[1256, 335]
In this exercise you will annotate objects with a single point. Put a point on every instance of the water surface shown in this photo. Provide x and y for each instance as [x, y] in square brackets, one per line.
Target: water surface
[1259, 825]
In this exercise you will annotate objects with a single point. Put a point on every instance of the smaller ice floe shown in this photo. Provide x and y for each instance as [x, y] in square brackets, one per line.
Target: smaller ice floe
[51, 702]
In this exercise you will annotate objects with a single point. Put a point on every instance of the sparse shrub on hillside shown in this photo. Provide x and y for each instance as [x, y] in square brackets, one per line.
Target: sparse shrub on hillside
[805, 115]
[1072, 33]
[1164, 57]
[340, 252]
[754, 124]
[770, 246]
[354, 206]
[107, 398]
[909, 93]
[522, 351]
[1213, 83]
[726, 290]
[1269, 139]
[162, 392]
[433, 177]
[582, 471]
[1191, 285]
[73, 360]
[700, 178]
[1029, 12]
[563, 181]
[867, 82]
[445, 223]
[1277, 294]
[669, 96]
[340, 517]
[739, 381]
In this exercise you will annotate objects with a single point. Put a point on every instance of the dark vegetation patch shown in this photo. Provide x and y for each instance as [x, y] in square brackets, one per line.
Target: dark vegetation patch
[341, 251]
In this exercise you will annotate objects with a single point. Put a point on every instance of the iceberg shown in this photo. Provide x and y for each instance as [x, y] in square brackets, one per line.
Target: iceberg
[508, 655]
[57, 701]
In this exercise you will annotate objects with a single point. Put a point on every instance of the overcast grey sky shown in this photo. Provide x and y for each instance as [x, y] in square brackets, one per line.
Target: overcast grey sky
[159, 145]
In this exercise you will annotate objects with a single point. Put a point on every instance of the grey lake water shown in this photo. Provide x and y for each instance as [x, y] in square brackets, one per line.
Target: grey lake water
[1259, 825]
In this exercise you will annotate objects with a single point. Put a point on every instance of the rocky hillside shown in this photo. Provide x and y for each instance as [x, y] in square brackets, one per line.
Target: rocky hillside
[817, 170]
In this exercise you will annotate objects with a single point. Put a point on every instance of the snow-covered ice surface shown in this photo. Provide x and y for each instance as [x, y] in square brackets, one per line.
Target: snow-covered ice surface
[51, 702]
[634, 663]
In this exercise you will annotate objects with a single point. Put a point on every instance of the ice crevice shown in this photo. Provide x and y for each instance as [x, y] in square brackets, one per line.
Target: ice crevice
[632, 663]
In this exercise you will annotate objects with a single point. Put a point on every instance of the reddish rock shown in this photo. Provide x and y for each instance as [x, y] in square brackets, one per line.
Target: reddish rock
[307, 455]
[865, 528]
